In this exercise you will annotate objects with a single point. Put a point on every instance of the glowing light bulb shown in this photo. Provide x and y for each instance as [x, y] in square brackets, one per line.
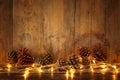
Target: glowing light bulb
[91, 68]
[26, 73]
[72, 71]
[104, 70]
[103, 66]
[52, 69]
[67, 75]
[33, 65]
[94, 62]
[116, 70]
[81, 66]
[9, 66]
[40, 70]
[114, 66]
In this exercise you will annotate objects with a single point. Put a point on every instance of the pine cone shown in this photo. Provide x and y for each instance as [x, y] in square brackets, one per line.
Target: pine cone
[47, 59]
[12, 57]
[74, 61]
[62, 62]
[24, 57]
[84, 52]
[85, 61]
[99, 53]
[39, 59]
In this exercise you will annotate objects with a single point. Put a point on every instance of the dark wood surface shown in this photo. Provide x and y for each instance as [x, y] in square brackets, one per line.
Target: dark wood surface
[6, 28]
[59, 25]
[59, 76]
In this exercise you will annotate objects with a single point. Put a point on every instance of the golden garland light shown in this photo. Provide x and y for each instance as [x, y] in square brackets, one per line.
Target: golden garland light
[26, 73]
[70, 72]
[9, 67]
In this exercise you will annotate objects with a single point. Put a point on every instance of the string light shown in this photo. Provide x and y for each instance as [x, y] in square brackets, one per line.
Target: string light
[94, 62]
[72, 71]
[114, 66]
[81, 66]
[33, 65]
[26, 73]
[40, 70]
[115, 69]
[9, 67]
[52, 69]
[104, 70]
[67, 75]
[103, 66]
[91, 68]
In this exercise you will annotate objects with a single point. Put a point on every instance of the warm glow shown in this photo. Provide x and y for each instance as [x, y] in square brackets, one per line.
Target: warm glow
[114, 66]
[94, 62]
[72, 71]
[80, 59]
[33, 65]
[67, 75]
[114, 77]
[116, 70]
[9, 66]
[52, 69]
[26, 73]
[91, 68]
[103, 66]
[104, 70]
[40, 70]
[81, 66]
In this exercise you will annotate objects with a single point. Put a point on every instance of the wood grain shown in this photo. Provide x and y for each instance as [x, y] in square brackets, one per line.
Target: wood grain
[5, 29]
[60, 26]
[83, 23]
[113, 28]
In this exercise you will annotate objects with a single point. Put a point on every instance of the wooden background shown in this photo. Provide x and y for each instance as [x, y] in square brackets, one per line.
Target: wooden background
[59, 26]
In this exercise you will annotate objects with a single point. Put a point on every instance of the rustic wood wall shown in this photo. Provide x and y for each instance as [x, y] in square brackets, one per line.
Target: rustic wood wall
[6, 31]
[60, 25]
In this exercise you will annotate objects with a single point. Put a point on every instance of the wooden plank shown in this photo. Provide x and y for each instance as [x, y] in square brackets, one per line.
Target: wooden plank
[68, 27]
[112, 27]
[83, 23]
[118, 52]
[28, 25]
[5, 29]
[19, 34]
[53, 16]
[98, 25]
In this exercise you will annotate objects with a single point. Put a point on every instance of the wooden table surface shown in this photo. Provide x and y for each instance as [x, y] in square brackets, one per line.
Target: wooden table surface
[60, 76]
